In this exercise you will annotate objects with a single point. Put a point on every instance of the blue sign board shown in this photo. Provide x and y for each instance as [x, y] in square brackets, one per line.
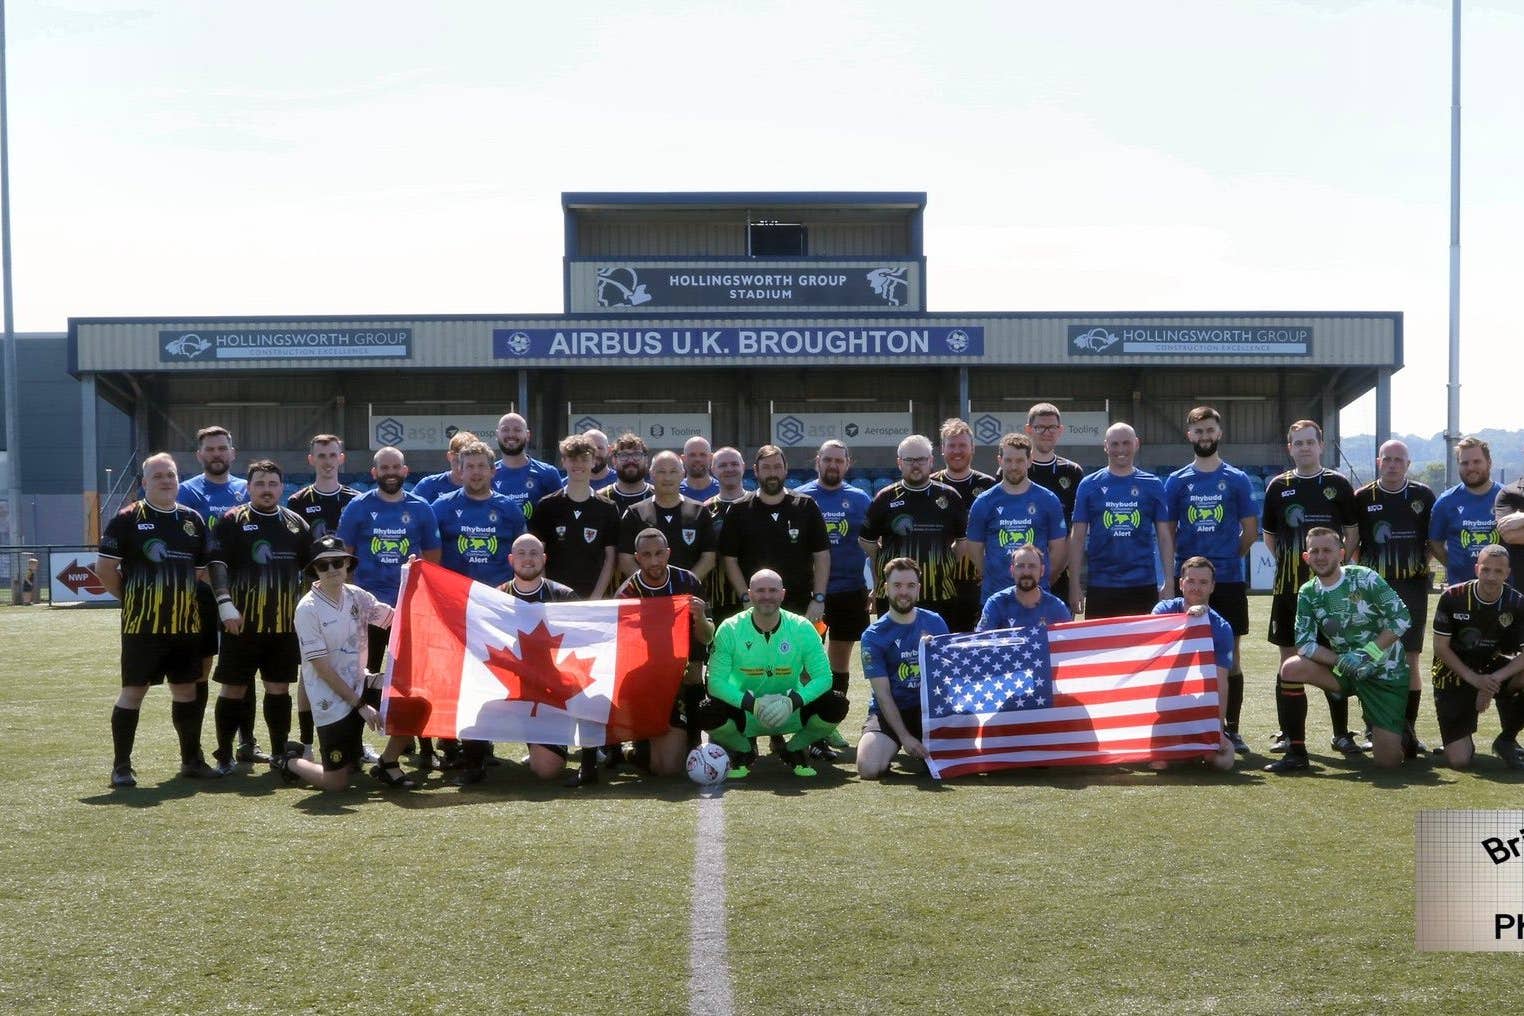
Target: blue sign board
[623, 288]
[854, 341]
[1188, 340]
[284, 344]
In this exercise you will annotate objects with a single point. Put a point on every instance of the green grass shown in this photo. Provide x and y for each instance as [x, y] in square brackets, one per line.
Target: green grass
[1041, 892]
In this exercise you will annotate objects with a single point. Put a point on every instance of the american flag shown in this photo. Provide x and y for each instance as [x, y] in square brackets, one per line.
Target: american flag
[1127, 689]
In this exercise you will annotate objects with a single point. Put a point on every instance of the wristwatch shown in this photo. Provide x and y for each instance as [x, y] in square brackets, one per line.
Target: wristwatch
[818, 597]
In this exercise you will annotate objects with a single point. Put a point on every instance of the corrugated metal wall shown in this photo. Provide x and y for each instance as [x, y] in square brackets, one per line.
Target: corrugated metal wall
[681, 238]
[1018, 339]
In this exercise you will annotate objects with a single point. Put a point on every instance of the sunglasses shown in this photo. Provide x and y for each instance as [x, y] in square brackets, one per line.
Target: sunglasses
[329, 564]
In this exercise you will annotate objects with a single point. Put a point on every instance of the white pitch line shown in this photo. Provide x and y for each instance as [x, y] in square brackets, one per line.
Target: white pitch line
[709, 991]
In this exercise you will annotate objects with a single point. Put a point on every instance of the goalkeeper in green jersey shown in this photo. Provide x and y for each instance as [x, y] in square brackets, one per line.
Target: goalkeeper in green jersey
[768, 674]
[1348, 623]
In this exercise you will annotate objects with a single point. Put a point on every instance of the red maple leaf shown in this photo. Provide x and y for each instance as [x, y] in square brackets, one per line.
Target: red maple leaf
[533, 675]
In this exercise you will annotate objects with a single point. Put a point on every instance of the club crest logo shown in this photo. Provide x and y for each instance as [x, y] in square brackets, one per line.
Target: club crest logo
[589, 534]
[689, 535]
[890, 284]
[620, 287]
[190, 345]
[1096, 340]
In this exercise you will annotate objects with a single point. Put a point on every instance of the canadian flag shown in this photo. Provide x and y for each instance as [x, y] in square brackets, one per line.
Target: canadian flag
[466, 660]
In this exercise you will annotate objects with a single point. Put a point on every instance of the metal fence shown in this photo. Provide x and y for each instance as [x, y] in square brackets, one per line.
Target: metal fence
[53, 575]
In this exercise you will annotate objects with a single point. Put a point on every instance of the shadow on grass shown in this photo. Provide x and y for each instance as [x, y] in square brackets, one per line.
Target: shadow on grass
[1083, 777]
[503, 783]
[174, 788]
[1419, 772]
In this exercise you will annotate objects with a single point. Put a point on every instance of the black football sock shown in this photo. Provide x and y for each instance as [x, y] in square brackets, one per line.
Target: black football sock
[203, 694]
[1291, 709]
[693, 695]
[1415, 695]
[278, 720]
[1338, 713]
[246, 716]
[840, 681]
[226, 715]
[1235, 700]
[124, 733]
[304, 724]
[186, 717]
[1510, 714]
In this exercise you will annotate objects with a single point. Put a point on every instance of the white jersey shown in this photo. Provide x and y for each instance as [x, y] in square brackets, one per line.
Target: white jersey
[336, 632]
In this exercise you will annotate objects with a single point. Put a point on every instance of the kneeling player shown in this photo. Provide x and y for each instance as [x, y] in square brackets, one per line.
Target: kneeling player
[1478, 628]
[331, 624]
[891, 652]
[1348, 621]
[769, 674]
[1198, 580]
[655, 577]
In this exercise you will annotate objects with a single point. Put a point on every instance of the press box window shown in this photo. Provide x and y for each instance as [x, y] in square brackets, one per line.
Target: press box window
[768, 239]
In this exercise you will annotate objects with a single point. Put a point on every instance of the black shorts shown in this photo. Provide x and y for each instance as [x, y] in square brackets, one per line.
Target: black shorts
[1456, 709]
[277, 659]
[211, 622]
[339, 743]
[965, 608]
[1119, 601]
[1282, 620]
[846, 615]
[153, 659]
[796, 604]
[910, 717]
[1414, 594]
[1231, 600]
[1059, 587]
[375, 652]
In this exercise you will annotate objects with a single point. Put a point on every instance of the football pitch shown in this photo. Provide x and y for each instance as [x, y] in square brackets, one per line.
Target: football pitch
[1055, 891]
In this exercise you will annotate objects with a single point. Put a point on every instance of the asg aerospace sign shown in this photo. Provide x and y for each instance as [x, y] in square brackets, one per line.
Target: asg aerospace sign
[284, 344]
[1188, 340]
[736, 343]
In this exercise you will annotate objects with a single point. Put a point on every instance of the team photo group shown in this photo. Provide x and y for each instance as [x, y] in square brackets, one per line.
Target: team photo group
[225, 579]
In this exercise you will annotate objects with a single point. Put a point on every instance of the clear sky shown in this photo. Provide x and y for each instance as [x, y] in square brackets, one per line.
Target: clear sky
[379, 157]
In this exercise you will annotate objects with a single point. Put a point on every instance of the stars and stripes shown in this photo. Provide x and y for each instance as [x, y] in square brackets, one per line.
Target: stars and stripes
[1118, 690]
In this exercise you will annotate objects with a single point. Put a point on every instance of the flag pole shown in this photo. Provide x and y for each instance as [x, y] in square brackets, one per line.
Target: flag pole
[1452, 421]
[12, 409]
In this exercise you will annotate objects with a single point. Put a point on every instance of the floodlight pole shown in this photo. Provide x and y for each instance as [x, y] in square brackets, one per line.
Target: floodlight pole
[1452, 421]
[12, 399]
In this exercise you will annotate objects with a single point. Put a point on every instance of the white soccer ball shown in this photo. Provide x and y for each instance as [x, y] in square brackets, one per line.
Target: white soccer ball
[708, 764]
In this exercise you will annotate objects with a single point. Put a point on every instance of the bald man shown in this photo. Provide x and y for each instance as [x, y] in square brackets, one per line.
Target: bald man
[769, 675]
[1121, 530]
[1395, 514]
[698, 483]
[518, 477]
[382, 528]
